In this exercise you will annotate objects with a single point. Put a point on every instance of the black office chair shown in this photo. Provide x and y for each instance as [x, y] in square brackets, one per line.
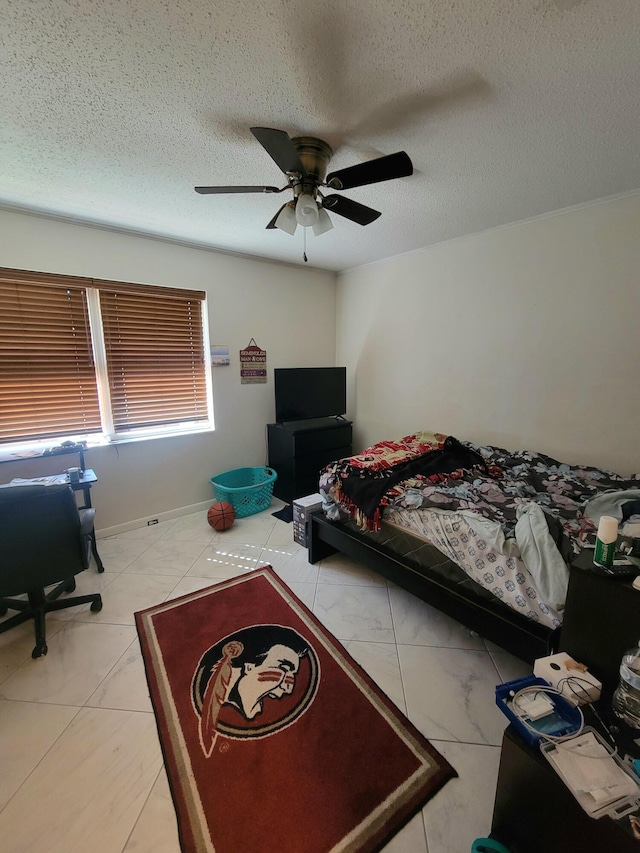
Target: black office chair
[44, 540]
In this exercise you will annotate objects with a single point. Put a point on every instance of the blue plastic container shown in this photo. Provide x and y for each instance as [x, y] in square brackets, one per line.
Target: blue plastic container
[565, 720]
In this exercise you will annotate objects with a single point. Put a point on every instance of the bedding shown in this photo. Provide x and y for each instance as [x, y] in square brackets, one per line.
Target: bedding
[364, 484]
[511, 520]
[494, 563]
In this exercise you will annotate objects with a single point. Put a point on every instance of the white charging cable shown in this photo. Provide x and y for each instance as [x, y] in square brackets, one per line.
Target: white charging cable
[520, 712]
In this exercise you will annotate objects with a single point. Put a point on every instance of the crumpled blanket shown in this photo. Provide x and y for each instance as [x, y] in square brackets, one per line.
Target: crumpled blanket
[496, 489]
[541, 554]
[364, 484]
[562, 492]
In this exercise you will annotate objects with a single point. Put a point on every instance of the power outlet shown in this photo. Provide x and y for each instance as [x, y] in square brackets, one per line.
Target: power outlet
[153, 521]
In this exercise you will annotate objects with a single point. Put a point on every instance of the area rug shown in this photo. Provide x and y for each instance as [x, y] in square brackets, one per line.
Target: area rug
[274, 739]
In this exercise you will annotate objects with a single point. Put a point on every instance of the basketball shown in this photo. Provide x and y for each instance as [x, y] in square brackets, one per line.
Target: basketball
[221, 515]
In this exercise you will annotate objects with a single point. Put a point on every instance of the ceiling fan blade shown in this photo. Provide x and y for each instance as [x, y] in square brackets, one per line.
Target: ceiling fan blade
[272, 224]
[324, 65]
[280, 148]
[214, 190]
[407, 109]
[352, 210]
[387, 168]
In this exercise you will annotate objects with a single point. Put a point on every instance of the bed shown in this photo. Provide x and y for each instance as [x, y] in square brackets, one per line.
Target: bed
[484, 534]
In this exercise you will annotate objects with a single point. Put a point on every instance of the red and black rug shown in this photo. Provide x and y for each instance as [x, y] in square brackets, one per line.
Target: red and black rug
[274, 739]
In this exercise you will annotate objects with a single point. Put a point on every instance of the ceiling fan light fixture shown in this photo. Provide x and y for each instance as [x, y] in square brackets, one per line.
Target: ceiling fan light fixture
[323, 224]
[306, 210]
[287, 220]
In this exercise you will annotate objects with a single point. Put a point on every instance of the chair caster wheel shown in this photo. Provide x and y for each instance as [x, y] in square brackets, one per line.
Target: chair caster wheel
[96, 607]
[39, 651]
[3, 610]
[71, 586]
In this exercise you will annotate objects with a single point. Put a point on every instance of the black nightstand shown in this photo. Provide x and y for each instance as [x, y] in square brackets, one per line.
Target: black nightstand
[601, 621]
[535, 812]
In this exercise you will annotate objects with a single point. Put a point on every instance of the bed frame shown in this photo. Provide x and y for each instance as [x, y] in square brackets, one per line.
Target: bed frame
[464, 600]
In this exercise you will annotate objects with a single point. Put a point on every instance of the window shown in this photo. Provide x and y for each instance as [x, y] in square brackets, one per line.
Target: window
[81, 356]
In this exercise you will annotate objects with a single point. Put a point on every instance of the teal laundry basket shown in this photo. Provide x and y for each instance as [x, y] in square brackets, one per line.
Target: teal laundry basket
[248, 490]
[488, 845]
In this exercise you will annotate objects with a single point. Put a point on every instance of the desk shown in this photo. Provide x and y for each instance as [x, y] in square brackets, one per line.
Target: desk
[87, 479]
[26, 455]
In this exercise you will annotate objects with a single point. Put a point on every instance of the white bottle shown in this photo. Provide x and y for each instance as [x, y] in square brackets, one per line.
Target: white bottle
[606, 539]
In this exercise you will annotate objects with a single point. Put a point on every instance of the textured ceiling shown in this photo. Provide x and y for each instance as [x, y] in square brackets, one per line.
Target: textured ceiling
[113, 110]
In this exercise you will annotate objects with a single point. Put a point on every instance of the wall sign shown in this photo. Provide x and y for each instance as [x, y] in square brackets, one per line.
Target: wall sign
[253, 364]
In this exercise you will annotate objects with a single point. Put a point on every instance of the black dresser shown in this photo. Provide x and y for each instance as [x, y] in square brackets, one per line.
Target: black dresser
[298, 450]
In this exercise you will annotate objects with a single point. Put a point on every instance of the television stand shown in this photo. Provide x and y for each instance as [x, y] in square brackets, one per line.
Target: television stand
[299, 450]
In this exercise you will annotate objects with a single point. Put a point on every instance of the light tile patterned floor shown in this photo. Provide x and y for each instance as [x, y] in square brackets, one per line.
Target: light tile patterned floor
[81, 763]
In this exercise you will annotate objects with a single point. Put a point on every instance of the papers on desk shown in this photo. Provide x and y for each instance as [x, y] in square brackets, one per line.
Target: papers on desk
[54, 480]
[595, 776]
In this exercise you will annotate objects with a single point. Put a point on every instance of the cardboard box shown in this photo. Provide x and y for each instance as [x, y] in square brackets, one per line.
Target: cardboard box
[302, 507]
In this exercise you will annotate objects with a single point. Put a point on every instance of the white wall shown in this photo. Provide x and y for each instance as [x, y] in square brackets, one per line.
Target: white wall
[524, 337]
[289, 311]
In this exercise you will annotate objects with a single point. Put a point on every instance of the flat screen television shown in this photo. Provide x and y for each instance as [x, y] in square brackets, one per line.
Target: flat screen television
[309, 392]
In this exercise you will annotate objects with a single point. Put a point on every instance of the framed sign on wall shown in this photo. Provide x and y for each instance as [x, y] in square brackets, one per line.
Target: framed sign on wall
[253, 364]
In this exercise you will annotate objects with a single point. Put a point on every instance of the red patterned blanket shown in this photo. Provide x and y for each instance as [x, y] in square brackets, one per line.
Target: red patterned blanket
[364, 484]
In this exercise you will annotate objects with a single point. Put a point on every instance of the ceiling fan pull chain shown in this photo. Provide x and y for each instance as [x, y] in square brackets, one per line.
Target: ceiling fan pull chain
[304, 244]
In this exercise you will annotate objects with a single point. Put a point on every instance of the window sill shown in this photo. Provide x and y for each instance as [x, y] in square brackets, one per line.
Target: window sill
[34, 450]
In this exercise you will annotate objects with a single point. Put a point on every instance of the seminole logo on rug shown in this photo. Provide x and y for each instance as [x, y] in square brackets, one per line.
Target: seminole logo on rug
[253, 683]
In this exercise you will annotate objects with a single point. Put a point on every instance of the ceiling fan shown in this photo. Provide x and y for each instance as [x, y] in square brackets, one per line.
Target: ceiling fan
[304, 161]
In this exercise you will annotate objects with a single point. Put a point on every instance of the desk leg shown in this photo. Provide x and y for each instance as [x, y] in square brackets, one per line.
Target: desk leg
[86, 491]
[94, 551]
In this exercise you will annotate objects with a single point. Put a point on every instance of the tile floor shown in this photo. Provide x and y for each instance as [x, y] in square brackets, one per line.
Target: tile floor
[80, 763]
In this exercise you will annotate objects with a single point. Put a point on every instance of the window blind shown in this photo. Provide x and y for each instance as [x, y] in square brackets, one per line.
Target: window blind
[155, 355]
[47, 375]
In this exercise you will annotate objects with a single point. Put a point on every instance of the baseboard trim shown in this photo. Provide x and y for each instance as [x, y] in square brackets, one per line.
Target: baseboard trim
[178, 512]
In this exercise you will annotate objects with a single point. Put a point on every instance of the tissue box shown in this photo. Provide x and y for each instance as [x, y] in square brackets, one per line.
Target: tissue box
[577, 686]
[302, 507]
